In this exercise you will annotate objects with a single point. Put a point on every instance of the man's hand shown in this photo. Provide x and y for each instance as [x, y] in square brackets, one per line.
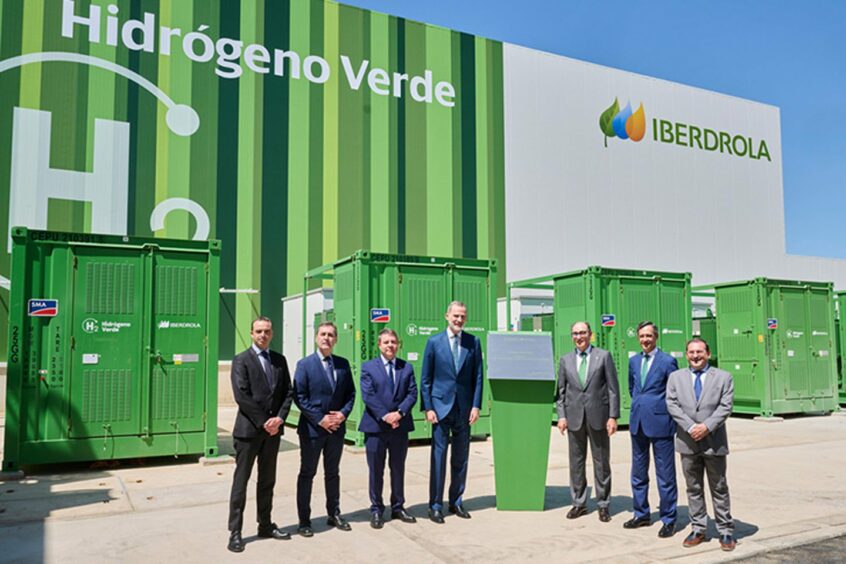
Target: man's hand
[562, 425]
[272, 425]
[328, 423]
[393, 418]
[699, 432]
[611, 426]
[431, 416]
[474, 415]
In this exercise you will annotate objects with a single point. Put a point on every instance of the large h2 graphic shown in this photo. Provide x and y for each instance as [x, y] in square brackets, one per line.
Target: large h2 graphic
[106, 187]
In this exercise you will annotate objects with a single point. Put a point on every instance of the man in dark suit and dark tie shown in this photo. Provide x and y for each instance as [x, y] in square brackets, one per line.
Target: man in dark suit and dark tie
[262, 389]
[650, 424]
[451, 396]
[700, 399]
[389, 392]
[588, 408]
[324, 391]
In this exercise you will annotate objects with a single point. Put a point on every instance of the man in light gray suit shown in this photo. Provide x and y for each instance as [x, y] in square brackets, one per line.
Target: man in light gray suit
[699, 399]
[588, 406]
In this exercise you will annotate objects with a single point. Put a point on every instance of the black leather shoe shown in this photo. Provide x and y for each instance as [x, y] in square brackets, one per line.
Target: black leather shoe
[305, 530]
[459, 511]
[339, 523]
[403, 516]
[576, 511]
[693, 539]
[727, 543]
[604, 514]
[376, 520]
[667, 530]
[236, 543]
[273, 532]
[637, 522]
[436, 516]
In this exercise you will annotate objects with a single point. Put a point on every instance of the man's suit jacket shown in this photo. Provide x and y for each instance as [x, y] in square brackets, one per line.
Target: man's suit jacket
[598, 401]
[258, 402]
[381, 397]
[712, 409]
[315, 397]
[649, 413]
[441, 386]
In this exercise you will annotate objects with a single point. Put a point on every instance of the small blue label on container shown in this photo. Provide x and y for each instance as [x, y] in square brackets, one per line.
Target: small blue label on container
[380, 315]
[43, 308]
[609, 320]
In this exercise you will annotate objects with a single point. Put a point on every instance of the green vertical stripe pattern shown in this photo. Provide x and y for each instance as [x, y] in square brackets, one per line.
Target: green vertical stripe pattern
[293, 168]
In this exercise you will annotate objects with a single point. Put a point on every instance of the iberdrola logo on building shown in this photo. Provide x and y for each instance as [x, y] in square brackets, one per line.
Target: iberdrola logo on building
[623, 123]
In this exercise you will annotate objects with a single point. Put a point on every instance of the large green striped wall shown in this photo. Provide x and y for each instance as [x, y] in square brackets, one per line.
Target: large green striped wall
[292, 174]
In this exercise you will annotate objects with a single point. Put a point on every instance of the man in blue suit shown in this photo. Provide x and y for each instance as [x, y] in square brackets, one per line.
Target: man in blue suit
[389, 392]
[451, 396]
[324, 391]
[650, 424]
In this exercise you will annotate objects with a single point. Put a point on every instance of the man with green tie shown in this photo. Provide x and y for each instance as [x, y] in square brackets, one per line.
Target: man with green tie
[588, 404]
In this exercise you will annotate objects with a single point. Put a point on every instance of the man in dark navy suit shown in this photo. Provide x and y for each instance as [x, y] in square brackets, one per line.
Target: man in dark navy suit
[262, 389]
[451, 396]
[650, 424]
[389, 392]
[324, 392]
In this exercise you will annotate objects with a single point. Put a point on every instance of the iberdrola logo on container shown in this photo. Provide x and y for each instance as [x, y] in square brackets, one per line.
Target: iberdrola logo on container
[623, 123]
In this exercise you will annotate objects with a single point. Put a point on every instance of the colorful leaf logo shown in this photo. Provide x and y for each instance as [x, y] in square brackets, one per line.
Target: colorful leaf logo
[624, 123]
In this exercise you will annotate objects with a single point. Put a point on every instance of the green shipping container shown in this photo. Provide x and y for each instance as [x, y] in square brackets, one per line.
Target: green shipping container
[113, 348]
[777, 338]
[415, 291]
[840, 327]
[614, 302]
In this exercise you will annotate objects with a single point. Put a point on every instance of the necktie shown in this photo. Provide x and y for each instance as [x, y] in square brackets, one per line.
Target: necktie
[644, 370]
[583, 368]
[330, 372]
[455, 351]
[697, 385]
[391, 376]
[267, 368]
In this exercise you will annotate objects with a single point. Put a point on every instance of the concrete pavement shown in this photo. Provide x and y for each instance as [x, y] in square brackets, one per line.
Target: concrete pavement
[787, 485]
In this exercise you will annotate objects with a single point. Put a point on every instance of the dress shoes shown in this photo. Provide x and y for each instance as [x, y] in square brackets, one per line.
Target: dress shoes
[459, 511]
[637, 522]
[376, 520]
[273, 532]
[576, 511]
[604, 515]
[236, 543]
[305, 530]
[339, 522]
[727, 543]
[667, 530]
[403, 516]
[693, 539]
[436, 516]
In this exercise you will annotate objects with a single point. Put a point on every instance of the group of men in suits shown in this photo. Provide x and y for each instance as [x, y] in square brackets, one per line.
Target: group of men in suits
[691, 405]
[324, 391]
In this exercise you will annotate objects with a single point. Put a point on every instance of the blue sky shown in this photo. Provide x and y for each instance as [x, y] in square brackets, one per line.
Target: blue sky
[785, 53]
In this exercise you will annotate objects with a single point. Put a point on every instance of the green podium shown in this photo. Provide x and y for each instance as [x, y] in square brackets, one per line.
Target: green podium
[521, 372]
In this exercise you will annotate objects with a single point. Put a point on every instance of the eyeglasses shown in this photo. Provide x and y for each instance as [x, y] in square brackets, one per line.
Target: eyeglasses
[579, 333]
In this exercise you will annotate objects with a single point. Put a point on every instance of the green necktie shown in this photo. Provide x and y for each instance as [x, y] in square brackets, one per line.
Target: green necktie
[644, 370]
[583, 368]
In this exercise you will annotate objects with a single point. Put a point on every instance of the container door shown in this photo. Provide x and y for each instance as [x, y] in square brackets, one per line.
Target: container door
[793, 382]
[737, 336]
[108, 354]
[472, 287]
[423, 298]
[178, 360]
[343, 308]
[822, 357]
[637, 301]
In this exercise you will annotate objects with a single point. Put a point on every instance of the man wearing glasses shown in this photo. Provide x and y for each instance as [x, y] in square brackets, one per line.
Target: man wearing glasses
[588, 406]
